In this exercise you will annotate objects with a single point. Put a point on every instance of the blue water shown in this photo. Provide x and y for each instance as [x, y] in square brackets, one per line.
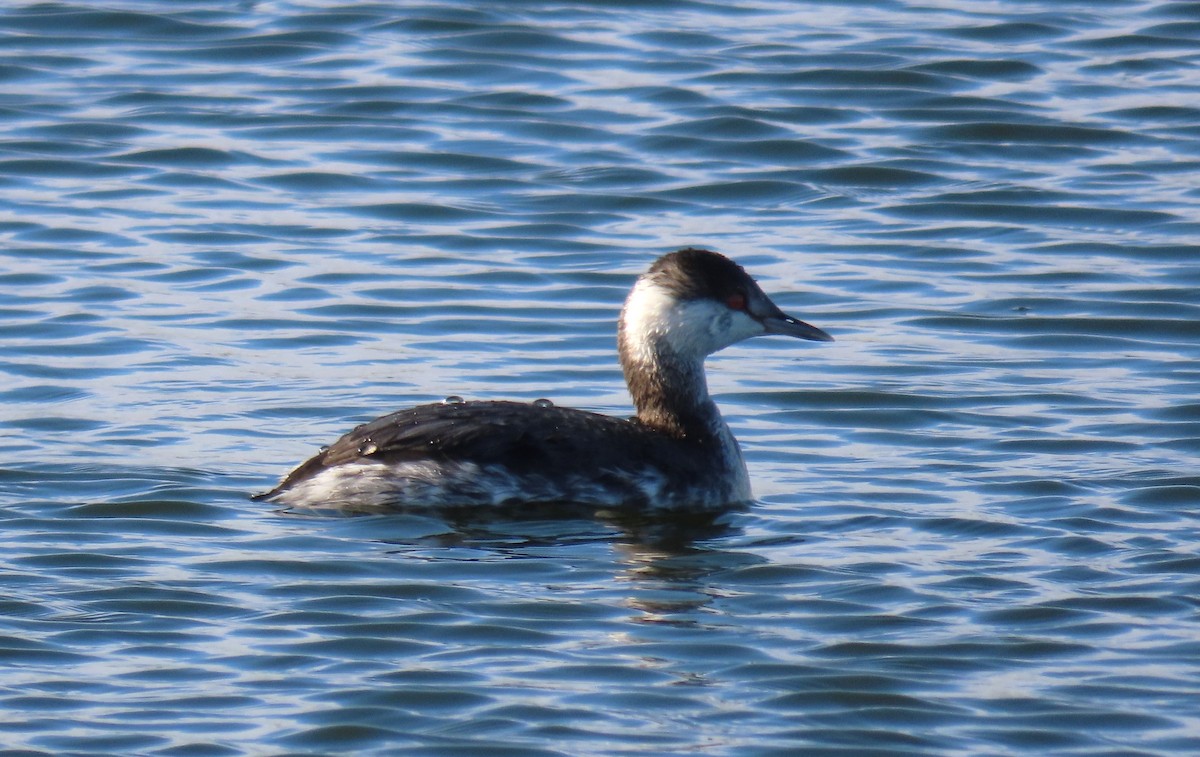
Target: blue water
[231, 231]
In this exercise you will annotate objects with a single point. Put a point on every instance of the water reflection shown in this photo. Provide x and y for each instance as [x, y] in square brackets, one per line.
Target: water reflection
[665, 562]
[552, 523]
[672, 585]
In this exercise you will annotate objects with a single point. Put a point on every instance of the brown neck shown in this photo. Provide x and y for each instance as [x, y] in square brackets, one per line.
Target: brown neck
[670, 393]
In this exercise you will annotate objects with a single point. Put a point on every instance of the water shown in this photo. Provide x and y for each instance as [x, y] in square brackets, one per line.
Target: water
[231, 231]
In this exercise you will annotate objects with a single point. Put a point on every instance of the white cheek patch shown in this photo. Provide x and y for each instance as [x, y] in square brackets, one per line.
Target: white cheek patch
[692, 329]
[736, 326]
[721, 325]
[647, 319]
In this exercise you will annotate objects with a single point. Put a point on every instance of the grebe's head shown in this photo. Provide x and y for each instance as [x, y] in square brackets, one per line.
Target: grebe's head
[692, 303]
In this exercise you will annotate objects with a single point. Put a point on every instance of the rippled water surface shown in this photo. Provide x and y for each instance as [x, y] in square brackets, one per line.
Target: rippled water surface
[233, 230]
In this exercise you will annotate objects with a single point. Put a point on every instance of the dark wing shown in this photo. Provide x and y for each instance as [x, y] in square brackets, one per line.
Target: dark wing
[523, 437]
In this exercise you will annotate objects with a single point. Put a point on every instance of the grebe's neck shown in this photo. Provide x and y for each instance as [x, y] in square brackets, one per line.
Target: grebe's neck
[662, 356]
[671, 394]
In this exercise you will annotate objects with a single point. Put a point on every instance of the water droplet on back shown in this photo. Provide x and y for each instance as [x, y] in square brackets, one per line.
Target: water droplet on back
[543, 402]
[453, 399]
[368, 448]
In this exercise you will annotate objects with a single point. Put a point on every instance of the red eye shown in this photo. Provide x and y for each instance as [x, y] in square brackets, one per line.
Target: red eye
[736, 301]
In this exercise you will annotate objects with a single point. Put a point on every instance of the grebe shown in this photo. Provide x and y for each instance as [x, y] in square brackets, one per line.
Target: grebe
[676, 454]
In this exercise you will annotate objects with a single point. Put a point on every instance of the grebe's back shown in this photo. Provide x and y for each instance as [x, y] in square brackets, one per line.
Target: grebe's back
[496, 452]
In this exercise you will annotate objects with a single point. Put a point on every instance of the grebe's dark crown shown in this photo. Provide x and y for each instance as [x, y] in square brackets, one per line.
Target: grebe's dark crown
[693, 274]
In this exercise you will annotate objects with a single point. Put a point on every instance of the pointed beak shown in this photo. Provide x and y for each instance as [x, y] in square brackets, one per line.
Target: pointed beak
[780, 322]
